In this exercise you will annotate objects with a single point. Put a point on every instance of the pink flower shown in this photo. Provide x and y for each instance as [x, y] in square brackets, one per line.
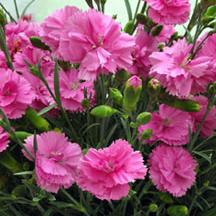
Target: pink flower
[180, 75]
[16, 94]
[3, 63]
[107, 172]
[54, 24]
[96, 42]
[172, 169]
[18, 34]
[209, 124]
[169, 125]
[146, 44]
[4, 139]
[72, 90]
[56, 160]
[33, 56]
[169, 11]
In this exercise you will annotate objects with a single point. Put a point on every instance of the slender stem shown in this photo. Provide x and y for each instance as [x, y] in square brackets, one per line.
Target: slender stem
[4, 48]
[129, 11]
[137, 9]
[26, 7]
[75, 202]
[7, 12]
[16, 8]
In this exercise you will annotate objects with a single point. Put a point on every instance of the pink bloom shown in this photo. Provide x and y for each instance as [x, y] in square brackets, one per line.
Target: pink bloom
[177, 73]
[33, 56]
[134, 81]
[54, 24]
[18, 34]
[146, 44]
[4, 139]
[72, 90]
[169, 11]
[96, 42]
[172, 169]
[107, 172]
[169, 125]
[56, 160]
[16, 94]
[210, 122]
[3, 63]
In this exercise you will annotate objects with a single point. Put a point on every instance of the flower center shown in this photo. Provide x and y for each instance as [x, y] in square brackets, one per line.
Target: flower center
[9, 89]
[74, 86]
[166, 122]
[109, 166]
[56, 156]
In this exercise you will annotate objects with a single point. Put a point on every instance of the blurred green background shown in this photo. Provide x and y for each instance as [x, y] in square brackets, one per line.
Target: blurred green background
[42, 8]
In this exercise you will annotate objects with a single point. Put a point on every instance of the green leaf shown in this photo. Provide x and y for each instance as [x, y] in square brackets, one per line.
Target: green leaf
[46, 109]
[129, 11]
[203, 155]
[56, 83]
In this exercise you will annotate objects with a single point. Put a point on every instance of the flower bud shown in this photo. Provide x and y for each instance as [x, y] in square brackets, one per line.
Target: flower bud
[154, 86]
[143, 118]
[132, 93]
[212, 88]
[177, 210]
[103, 111]
[36, 42]
[38, 121]
[146, 134]
[153, 207]
[122, 76]
[129, 27]
[116, 95]
[166, 198]
[156, 30]
[85, 103]
[21, 135]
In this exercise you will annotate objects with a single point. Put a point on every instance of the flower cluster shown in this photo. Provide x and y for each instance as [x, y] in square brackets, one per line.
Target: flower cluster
[157, 90]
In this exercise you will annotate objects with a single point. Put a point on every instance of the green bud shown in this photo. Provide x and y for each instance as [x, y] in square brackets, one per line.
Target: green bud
[143, 118]
[206, 184]
[3, 18]
[212, 88]
[133, 125]
[38, 121]
[156, 30]
[132, 93]
[153, 207]
[36, 42]
[20, 135]
[177, 210]
[122, 76]
[116, 95]
[103, 111]
[211, 11]
[166, 198]
[185, 105]
[34, 70]
[129, 27]
[146, 134]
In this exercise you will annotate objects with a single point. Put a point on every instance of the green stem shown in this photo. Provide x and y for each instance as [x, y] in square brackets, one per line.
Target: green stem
[75, 202]
[129, 11]
[7, 12]
[4, 48]
[26, 7]
[16, 8]
[137, 9]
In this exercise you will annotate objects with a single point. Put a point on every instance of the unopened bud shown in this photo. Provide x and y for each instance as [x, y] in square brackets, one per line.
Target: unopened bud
[153, 207]
[143, 118]
[156, 30]
[116, 95]
[177, 210]
[103, 111]
[129, 27]
[132, 93]
[146, 134]
[36, 42]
